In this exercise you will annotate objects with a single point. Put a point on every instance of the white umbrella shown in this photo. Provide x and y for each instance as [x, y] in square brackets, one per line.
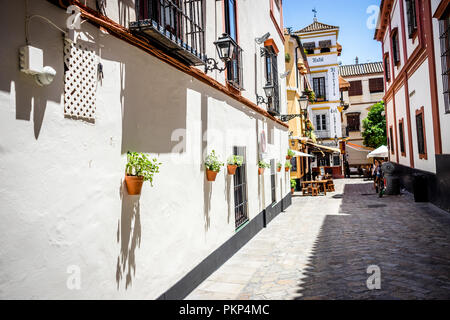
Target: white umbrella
[381, 152]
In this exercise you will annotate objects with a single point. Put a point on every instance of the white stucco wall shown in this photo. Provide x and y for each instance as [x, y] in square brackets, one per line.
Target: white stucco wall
[63, 202]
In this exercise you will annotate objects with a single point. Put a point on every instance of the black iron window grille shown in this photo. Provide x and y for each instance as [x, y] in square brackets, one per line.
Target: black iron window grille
[272, 79]
[395, 47]
[294, 164]
[391, 134]
[420, 133]
[387, 68]
[240, 190]
[402, 137]
[235, 70]
[177, 25]
[273, 176]
[411, 14]
[319, 88]
[444, 31]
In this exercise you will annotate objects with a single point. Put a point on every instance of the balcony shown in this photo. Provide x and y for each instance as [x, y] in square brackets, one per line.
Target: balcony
[175, 25]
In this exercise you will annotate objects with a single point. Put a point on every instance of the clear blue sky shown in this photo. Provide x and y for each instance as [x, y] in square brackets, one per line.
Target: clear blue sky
[350, 15]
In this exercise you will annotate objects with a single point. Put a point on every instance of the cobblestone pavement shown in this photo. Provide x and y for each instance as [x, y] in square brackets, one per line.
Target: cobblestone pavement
[321, 247]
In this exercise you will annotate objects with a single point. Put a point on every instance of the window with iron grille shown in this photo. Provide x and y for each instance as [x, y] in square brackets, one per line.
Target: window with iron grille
[336, 160]
[353, 122]
[272, 78]
[234, 66]
[420, 128]
[177, 25]
[309, 47]
[395, 47]
[411, 15]
[391, 134]
[240, 190]
[355, 88]
[387, 68]
[401, 131]
[376, 85]
[319, 87]
[273, 177]
[444, 32]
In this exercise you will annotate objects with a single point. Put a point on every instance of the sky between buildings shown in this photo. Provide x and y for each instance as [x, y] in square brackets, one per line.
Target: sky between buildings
[356, 19]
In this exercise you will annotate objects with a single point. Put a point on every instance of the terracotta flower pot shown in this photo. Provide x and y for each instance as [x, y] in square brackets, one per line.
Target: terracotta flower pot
[287, 169]
[211, 175]
[260, 171]
[279, 169]
[288, 158]
[292, 190]
[232, 169]
[134, 184]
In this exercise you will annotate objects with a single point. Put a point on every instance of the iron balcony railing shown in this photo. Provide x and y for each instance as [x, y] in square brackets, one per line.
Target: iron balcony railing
[177, 25]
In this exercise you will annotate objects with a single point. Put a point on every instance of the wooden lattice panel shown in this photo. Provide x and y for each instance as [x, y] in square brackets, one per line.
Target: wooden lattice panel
[80, 81]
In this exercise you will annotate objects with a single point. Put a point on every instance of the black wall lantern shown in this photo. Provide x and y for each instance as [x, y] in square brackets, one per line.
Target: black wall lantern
[269, 91]
[226, 48]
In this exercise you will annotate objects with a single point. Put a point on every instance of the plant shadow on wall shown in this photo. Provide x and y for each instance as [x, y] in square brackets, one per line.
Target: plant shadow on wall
[411, 248]
[27, 98]
[128, 236]
[139, 168]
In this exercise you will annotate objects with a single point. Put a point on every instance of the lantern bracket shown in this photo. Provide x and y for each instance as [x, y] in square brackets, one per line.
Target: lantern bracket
[211, 65]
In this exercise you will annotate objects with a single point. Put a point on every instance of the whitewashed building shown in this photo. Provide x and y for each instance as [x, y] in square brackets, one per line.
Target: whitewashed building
[131, 77]
[415, 41]
[323, 50]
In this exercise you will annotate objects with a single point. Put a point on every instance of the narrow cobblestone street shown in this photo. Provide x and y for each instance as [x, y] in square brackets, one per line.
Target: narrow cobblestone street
[321, 247]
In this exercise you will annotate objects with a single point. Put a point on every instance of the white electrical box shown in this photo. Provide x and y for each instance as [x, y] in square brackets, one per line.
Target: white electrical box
[31, 60]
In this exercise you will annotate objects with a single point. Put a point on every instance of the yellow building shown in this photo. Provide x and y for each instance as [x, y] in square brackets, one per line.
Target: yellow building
[297, 83]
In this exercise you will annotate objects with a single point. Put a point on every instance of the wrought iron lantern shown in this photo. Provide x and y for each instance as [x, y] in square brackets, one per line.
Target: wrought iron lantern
[269, 90]
[226, 48]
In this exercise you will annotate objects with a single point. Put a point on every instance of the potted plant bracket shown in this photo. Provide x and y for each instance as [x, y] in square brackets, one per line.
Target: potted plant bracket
[213, 166]
[233, 163]
[287, 166]
[279, 166]
[139, 168]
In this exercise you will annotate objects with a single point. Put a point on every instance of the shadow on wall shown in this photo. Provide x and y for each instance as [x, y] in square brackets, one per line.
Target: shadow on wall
[28, 98]
[128, 236]
[150, 116]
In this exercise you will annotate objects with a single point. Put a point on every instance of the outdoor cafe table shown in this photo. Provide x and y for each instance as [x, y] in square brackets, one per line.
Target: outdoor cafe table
[322, 183]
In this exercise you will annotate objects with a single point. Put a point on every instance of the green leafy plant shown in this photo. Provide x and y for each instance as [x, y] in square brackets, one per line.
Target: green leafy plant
[279, 165]
[235, 160]
[139, 165]
[212, 162]
[374, 127]
[263, 165]
[311, 95]
[293, 183]
[288, 165]
[291, 153]
[287, 57]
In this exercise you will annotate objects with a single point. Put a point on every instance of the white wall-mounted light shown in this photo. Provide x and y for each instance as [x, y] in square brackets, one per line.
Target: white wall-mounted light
[32, 63]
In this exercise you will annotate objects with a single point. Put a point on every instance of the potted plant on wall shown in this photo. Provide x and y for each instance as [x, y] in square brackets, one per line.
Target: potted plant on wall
[262, 166]
[311, 95]
[293, 185]
[139, 168]
[279, 166]
[233, 163]
[287, 166]
[213, 166]
[291, 153]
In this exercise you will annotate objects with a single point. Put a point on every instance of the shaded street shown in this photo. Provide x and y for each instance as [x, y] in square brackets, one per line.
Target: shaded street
[321, 247]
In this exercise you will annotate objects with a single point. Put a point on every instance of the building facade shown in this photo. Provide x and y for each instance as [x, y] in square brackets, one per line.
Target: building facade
[131, 76]
[414, 38]
[322, 50]
[297, 82]
[366, 88]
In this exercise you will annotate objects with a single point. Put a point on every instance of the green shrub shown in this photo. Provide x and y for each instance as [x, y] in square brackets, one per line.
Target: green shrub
[140, 165]
[288, 165]
[293, 183]
[279, 165]
[291, 153]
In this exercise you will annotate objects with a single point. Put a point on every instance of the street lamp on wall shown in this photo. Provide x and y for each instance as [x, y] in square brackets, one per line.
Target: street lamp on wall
[226, 48]
[269, 91]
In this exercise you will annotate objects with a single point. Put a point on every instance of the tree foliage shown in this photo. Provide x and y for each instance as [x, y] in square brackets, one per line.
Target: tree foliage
[374, 127]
